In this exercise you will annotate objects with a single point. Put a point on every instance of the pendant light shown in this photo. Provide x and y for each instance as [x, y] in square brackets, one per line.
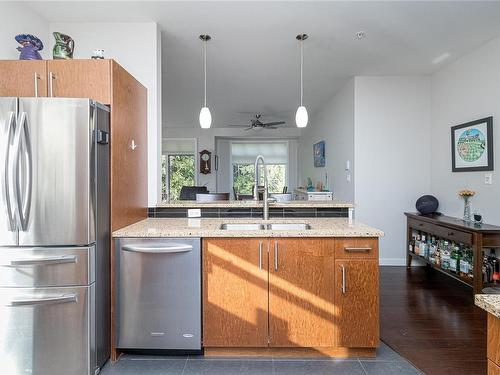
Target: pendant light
[205, 115]
[301, 116]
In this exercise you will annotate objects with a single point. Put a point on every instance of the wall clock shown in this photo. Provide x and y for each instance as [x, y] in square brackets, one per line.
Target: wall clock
[205, 162]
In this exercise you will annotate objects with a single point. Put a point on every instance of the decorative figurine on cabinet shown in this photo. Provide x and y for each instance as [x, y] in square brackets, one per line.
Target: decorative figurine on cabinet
[30, 47]
[205, 162]
[64, 47]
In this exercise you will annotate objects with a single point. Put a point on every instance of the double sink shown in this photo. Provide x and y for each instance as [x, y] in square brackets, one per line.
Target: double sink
[272, 226]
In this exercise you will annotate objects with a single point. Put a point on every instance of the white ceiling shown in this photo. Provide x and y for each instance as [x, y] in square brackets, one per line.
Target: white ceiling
[253, 59]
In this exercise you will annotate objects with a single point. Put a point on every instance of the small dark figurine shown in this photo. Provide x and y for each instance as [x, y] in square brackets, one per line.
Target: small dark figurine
[30, 47]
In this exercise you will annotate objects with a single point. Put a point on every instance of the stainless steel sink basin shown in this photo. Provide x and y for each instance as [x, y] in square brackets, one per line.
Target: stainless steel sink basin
[242, 226]
[288, 226]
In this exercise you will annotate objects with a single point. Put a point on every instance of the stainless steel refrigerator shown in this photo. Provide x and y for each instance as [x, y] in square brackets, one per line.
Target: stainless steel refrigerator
[54, 236]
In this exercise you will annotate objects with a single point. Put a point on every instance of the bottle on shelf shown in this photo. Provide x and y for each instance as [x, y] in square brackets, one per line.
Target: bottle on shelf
[423, 245]
[464, 263]
[471, 264]
[454, 258]
[445, 256]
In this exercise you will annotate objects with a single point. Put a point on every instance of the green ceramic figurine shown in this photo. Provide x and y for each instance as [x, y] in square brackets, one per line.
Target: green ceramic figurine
[64, 47]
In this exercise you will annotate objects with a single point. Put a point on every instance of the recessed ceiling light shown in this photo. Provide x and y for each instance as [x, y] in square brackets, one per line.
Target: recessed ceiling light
[360, 34]
[441, 58]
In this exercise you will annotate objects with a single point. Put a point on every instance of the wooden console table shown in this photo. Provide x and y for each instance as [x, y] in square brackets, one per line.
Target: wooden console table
[479, 237]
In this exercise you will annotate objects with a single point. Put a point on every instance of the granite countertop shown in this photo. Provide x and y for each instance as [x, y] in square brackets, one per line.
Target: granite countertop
[205, 227]
[253, 204]
[489, 302]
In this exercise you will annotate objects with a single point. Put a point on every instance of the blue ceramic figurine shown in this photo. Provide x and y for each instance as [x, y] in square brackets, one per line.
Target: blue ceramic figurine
[30, 47]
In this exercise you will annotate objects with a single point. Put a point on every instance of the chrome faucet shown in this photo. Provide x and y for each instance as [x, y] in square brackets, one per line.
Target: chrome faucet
[265, 210]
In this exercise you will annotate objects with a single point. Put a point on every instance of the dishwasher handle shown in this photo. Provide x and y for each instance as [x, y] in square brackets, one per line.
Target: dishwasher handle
[163, 249]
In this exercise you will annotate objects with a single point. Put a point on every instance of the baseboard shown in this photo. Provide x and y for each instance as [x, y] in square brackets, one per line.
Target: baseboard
[398, 262]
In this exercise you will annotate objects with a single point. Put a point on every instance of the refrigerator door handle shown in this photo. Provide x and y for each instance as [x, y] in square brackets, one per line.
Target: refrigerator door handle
[22, 145]
[8, 170]
[45, 261]
[65, 298]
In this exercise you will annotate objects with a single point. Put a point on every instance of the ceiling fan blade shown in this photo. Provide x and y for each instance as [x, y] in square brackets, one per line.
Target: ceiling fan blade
[249, 128]
[274, 123]
[238, 125]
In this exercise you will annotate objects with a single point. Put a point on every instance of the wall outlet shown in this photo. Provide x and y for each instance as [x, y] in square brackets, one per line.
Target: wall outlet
[194, 212]
[488, 178]
[348, 177]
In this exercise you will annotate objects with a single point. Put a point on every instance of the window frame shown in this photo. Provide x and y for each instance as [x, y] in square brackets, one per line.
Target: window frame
[167, 154]
[287, 165]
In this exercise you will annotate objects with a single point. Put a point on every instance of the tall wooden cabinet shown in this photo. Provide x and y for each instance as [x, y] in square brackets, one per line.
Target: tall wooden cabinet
[108, 83]
[280, 293]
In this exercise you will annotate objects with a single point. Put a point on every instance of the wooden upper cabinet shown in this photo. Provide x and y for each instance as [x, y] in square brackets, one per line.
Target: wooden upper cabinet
[357, 303]
[235, 292]
[80, 79]
[23, 78]
[301, 292]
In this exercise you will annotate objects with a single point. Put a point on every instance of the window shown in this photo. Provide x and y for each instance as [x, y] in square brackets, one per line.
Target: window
[243, 156]
[180, 172]
[178, 167]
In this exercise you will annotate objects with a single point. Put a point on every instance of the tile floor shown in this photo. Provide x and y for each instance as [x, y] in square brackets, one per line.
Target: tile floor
[387, 362]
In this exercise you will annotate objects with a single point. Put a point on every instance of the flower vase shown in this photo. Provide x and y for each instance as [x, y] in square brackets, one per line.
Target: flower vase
[467, 215]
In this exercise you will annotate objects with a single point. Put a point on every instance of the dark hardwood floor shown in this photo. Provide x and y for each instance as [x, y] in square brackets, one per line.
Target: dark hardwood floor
[431, 320]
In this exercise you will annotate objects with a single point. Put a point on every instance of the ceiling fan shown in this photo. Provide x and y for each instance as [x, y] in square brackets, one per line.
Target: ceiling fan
[256, 123]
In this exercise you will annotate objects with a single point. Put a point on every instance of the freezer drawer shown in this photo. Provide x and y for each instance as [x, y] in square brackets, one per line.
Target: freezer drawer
[159, 294]
[41, 267]
[46, 331]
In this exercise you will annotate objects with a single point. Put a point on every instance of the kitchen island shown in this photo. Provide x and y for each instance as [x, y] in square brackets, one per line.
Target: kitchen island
[491, 304]
[310, 290]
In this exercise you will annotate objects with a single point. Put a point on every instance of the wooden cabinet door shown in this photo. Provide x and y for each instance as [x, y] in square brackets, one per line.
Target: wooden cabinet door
[301, 292]
[235, 292]
[129, 149]
[23, 78]
[357, 303]
[80, 79]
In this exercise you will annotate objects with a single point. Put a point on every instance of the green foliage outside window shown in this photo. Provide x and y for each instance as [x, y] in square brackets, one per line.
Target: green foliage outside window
[243, 177]
[177, 171]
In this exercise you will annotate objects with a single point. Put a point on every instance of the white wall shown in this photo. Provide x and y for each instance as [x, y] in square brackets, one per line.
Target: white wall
[466, 90]
[392, 154]
[334, 124]
[137, 47]
[207, 139]
[17, 18]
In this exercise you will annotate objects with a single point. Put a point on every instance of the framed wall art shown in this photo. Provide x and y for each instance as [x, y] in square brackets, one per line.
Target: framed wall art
[319, 154]
[472, 146]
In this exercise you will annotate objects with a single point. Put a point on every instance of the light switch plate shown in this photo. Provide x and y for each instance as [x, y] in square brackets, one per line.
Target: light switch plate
[194, 212]
[347, 165]
[488, 178]
[348, 177]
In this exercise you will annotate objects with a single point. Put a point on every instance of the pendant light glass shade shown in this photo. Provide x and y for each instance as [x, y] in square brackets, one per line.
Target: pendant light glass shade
[205, 118]
[205, 115]
[301, 116]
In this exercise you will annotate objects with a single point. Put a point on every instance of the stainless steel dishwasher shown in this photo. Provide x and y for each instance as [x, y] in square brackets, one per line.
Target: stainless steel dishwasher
[159, 293]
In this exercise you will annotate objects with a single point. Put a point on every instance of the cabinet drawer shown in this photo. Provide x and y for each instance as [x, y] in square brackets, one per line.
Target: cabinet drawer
[454, 235]
[37, 267]
[356, 247]
[421, 225]
[439, 231]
